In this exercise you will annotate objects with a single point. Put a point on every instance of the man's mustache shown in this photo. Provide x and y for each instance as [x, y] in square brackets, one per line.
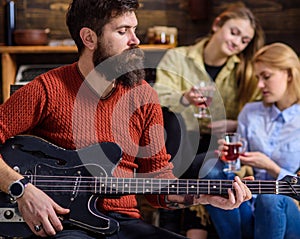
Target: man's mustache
[129, 60]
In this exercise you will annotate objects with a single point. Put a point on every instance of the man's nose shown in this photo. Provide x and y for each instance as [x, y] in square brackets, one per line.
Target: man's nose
[134, 41]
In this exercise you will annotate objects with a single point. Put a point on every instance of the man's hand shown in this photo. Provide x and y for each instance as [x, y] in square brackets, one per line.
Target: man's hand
[234, 200]
[38, 209]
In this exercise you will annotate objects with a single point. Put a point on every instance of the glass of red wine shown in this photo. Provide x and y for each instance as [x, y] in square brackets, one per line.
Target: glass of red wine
[234, 146]
[207, 90]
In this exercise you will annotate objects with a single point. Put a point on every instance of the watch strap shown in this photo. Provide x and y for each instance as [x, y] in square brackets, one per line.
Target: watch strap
[24, 181]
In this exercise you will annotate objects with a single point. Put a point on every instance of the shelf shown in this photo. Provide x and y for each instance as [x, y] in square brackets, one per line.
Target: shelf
[9, 55]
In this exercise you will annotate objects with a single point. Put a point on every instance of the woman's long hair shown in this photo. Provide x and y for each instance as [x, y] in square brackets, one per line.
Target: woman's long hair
[247, 83]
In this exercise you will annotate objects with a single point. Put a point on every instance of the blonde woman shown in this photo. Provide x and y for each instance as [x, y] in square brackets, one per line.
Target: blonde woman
[272, 130]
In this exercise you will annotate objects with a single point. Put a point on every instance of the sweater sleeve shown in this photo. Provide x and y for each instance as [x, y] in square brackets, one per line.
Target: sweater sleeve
[22, 111]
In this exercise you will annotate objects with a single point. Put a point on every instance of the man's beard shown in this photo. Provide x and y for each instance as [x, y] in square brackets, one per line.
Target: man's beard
[127, 67]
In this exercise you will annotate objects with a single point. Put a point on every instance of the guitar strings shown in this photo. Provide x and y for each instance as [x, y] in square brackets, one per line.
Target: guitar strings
[165, 186]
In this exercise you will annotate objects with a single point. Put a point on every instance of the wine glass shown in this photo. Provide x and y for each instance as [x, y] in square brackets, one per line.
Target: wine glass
[236, 145]
[207, 90]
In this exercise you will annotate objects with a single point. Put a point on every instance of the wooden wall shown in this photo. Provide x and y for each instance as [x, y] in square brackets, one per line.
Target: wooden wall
[280, 18]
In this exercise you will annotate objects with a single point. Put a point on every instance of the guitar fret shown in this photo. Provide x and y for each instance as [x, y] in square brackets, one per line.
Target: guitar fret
[136, 183]
[159, 187]
[120, 185]
[187, 187]
[192, 187]
[95, 185]
[111, 185]
[136, 186]
[144, 186]
[101, 185]
[146, 182]
[116, 185]
[127, 186]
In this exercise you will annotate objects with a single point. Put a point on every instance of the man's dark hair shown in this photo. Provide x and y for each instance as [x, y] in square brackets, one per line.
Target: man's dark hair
[94, 14]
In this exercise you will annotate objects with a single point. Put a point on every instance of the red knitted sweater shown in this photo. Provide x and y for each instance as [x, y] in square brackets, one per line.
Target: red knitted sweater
[59, 107]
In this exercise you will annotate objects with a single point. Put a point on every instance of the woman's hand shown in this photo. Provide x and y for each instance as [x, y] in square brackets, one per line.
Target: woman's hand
[262, 161]
[38, 209]
[194, 97]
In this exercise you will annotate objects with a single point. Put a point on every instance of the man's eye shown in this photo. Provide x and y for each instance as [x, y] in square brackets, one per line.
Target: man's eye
[122, 30]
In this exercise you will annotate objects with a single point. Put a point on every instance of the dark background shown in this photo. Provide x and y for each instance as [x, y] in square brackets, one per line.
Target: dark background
[279, 18]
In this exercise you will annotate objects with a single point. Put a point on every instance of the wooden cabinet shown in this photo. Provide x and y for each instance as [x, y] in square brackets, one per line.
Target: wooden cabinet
[11, 54]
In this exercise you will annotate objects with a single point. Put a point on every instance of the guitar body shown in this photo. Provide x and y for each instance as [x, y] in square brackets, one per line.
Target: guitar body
[33, 156]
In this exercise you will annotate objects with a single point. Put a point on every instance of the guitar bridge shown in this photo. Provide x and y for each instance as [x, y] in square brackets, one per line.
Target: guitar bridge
[10, 215]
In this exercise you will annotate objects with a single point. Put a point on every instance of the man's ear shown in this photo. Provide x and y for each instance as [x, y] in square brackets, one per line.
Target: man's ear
[89, 38]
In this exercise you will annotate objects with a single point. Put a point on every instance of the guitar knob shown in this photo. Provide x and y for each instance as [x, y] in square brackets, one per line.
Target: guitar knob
[8, 214]
[294, 180]
[17, 169]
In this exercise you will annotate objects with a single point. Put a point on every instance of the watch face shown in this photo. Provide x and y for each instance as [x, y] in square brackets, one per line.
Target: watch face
[17, 189]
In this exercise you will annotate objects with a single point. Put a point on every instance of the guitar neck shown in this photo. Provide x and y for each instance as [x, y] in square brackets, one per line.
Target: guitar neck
[181, 186]
[123, 186]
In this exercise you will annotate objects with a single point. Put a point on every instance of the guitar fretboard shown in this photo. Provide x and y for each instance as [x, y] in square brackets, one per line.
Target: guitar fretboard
[121, 186]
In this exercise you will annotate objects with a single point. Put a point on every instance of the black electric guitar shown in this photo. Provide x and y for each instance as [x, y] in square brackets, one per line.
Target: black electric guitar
[76, 179]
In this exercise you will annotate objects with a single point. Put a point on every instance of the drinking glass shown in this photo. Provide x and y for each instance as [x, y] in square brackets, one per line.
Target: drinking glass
[236, 145]
[207, 90]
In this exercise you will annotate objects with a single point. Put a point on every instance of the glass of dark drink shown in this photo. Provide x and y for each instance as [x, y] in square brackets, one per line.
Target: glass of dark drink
[207, 90]
[234, 146]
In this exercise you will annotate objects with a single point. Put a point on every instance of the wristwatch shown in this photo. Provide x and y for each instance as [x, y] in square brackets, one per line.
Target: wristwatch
[16, 189]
